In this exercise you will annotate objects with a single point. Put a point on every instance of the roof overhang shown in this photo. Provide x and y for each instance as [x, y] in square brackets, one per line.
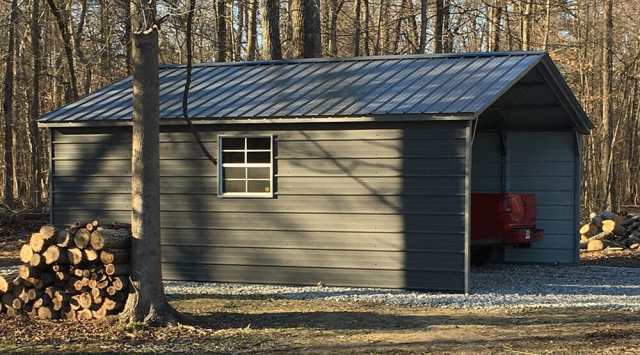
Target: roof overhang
[460, 86]
[554, 81]
[281, 120]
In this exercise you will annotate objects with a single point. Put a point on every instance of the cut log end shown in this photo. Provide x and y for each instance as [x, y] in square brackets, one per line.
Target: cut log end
[4, 285]
[595, 245]
[82, 238]
[36, 242]
[51, 255]
[47, 231]
[26, 252]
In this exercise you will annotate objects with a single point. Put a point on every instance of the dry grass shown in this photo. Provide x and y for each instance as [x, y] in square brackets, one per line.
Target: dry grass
[245, 324]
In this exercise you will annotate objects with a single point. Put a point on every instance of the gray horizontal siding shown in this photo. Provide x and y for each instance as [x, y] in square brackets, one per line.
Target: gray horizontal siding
[285, 221]
[338, 259]
[349, 200]
[312, 167]
[486, 169]
[545, 163]
[332, 185]
[394, 204]
[431, 280]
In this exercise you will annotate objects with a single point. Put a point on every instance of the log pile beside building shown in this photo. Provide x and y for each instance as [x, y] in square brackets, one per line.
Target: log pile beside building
[78, 273]
[610, 231]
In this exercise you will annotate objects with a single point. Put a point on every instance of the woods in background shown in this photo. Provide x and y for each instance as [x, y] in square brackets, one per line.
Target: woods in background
[55, 51]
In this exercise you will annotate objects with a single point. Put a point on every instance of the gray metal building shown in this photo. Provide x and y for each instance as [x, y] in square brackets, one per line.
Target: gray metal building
[353, 172]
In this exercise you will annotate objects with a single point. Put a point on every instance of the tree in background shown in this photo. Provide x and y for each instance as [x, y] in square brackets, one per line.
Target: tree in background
[305, 20]
[7, 107]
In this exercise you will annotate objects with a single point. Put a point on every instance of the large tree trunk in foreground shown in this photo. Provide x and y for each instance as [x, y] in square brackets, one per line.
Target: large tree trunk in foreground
[148, 303]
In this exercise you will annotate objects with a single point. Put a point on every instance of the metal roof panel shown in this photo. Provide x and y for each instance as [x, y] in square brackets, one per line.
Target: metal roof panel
[448, 84]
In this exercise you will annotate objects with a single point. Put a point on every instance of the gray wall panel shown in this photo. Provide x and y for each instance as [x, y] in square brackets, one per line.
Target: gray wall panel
[485, 173]
[294, 203]
[537, 162]
[544, 163]
[432, 280]
[281, 239]
[350, 199]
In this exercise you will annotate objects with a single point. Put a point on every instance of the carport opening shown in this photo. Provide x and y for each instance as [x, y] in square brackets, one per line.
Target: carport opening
[526, 143]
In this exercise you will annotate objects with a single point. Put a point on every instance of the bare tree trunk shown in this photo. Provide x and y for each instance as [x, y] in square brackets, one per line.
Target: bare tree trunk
[239, 31]
[126, 39]
[252, 30]
[221, 55]
[415, 36]
[34, 105]
[447, 36]
[607, 69]
[272, 34]
[230, 33]
[424, 22]
[336, 6]
[105, 37]
[305, 18]
[398, 29]
[437, 32]
[7, 106]
[148, 303]
[356, 29]
[380, 43]
[367, 25]
[265, 51]
[509, 33]
[78, 46]
[547, 23]
[494, 23]
[526, 26]
[67, 42]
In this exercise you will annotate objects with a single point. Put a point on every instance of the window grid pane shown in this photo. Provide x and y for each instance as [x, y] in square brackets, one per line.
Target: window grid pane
[246, 165]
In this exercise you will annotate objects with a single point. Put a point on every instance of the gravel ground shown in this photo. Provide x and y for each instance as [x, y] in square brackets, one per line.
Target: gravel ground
[493, 287]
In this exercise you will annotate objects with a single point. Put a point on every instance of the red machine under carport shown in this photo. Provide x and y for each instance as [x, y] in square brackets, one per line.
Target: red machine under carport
[502, 219]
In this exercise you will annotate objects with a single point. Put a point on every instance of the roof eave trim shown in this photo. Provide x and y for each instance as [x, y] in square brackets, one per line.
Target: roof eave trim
[273, 120]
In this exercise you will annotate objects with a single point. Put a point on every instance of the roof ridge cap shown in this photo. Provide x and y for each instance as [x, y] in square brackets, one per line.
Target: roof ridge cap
[352, 59]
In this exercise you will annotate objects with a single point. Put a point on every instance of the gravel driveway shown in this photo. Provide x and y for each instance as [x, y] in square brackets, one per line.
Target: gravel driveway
[493, 286]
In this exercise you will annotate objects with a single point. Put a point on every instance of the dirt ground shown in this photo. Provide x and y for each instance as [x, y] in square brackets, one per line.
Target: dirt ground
[260, 324]
[247, 324]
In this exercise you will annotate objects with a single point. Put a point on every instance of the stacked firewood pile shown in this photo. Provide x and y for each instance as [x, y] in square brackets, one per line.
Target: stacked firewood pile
[611, 232]
[79, 273]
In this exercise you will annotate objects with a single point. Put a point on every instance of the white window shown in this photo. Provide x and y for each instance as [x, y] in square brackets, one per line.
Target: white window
[245, 166]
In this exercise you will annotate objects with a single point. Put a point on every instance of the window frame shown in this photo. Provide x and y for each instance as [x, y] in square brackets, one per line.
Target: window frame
[222, 164]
